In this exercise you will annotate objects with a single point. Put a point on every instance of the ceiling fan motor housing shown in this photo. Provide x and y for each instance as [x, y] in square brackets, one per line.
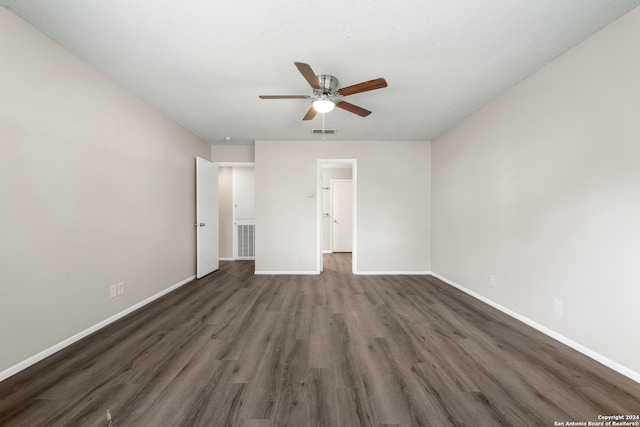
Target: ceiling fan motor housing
[329, 85]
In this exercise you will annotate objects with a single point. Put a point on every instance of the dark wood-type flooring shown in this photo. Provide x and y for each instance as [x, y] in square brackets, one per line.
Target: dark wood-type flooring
[235, 349]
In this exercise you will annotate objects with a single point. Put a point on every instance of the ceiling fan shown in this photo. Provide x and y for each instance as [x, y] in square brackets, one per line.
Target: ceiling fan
[326, 94]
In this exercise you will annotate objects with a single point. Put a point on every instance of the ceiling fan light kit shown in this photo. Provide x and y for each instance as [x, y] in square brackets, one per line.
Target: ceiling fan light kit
[326, 94]
[323, 105]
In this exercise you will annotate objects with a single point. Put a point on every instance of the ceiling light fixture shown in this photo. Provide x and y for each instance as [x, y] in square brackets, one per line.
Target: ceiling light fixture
[323, 105]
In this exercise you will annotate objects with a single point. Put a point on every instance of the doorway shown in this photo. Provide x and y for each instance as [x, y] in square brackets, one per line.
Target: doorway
[237, 211]
[343, 173]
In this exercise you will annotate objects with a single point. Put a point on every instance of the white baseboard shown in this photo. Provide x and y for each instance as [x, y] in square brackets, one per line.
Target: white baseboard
[284, 272]
[393, 273]
[363, 273]
[57, 347]
[556, 336]
[226, 259]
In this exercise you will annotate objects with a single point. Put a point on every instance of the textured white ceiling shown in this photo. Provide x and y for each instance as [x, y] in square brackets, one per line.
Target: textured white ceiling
[204, 62]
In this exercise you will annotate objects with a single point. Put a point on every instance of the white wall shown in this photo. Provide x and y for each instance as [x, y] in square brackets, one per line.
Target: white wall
[96, 188]
[233, 153]
[244, 193]
[542, 189]
[393, 181]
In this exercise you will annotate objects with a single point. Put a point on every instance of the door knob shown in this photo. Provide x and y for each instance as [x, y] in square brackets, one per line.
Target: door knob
[202, 224]
[335, 220]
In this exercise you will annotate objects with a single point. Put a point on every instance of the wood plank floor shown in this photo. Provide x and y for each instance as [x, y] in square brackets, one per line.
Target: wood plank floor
[235, 349]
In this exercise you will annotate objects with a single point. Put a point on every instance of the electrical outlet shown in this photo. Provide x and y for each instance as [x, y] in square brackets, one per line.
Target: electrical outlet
[114, 291]
[120, 288]
[395, 258]
[557, 306]
[296, 258]
[492, 280]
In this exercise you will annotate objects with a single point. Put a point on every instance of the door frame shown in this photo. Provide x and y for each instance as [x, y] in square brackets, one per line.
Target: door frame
[354, 185]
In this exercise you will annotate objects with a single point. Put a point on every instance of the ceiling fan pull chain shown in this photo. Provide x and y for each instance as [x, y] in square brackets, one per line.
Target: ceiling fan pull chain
[323, 114]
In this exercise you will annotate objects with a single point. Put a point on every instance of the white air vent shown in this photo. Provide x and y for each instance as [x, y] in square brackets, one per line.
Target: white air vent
[246, 241]
[323, 131]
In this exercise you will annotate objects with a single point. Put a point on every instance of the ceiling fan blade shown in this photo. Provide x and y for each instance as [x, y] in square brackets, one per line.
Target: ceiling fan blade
[310, 114]
[363, 87]
[353, 108]
[283, 96]
[308, 74]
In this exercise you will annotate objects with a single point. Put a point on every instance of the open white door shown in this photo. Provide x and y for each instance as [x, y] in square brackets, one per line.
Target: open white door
[341, 206]
[207, 257]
